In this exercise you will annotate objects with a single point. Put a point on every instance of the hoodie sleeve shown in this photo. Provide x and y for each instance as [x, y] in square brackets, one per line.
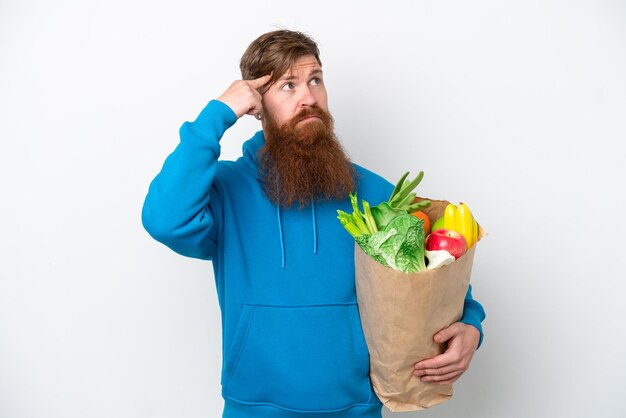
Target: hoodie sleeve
[183, 207]
[473, 313]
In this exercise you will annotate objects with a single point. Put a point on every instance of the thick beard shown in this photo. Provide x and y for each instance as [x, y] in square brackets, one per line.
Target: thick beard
[304, 163]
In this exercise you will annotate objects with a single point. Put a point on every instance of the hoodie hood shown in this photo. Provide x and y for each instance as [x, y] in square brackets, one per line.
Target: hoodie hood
[250, 151]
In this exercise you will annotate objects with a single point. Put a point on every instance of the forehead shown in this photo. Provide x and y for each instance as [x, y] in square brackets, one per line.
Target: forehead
[303, 66]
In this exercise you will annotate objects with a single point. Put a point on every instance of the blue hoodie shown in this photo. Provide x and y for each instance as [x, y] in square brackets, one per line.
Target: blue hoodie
[292, 341]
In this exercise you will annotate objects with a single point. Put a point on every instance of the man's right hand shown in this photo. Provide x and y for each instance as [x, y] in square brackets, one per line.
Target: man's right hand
[243, 97]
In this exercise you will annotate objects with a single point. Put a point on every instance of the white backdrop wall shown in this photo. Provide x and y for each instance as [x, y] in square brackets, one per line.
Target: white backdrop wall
[515, 107]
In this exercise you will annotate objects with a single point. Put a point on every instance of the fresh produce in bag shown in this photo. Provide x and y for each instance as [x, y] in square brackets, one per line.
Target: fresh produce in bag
[406, 293]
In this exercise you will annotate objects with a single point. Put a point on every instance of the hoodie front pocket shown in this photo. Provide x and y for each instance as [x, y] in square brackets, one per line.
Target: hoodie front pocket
[304, 358]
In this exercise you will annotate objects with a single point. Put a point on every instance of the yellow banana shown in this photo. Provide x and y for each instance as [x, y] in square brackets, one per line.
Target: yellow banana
[474, 232]
[465, 223]
[449, 217]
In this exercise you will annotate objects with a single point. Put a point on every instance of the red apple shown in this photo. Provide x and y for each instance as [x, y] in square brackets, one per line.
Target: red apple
[448, 240]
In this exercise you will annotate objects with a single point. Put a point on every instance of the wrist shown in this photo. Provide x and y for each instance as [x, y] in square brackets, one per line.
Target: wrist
[473, 333]
[213, 120]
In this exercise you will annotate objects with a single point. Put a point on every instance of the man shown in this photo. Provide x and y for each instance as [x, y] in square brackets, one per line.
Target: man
[284, 268]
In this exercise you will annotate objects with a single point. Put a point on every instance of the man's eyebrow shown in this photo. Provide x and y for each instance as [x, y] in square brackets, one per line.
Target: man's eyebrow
[316, 71]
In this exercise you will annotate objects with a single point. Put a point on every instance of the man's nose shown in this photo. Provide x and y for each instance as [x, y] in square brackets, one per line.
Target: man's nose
[307, 98]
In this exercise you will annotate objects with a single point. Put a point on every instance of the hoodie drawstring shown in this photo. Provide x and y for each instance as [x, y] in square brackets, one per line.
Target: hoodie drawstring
[282, 239]
[314, 227]
[282, 242]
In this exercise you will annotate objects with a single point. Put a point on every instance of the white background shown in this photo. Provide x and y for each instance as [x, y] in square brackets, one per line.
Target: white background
[516, 108]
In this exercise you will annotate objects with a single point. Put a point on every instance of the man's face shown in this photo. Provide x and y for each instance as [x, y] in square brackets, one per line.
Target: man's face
[299, 88]
[302, 160]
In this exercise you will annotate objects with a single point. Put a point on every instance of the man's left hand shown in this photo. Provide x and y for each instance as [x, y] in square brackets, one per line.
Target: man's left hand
[446, 368]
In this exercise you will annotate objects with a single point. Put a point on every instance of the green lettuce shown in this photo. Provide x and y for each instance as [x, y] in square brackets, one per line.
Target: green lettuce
[386, 232]
[399, 245]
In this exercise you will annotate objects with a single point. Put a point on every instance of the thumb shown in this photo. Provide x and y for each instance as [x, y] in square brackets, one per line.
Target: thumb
[445, 334]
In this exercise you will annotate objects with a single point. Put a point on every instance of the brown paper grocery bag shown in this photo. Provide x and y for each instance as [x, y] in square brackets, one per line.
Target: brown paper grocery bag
[400, 313]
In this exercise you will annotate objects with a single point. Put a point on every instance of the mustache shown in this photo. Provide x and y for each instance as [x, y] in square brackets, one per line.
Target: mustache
[311, 111]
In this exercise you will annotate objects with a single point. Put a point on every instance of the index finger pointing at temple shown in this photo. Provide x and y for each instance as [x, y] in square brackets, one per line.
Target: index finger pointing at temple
[260, 82]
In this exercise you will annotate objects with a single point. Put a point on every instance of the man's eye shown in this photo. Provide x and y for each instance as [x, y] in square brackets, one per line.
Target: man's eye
[316, 81]
[287, 86]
